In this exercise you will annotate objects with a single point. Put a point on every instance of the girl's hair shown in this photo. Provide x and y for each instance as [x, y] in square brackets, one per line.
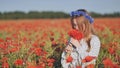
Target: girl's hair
[88, 28]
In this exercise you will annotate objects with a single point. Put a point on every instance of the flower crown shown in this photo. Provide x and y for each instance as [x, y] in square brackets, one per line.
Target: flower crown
[81, 13]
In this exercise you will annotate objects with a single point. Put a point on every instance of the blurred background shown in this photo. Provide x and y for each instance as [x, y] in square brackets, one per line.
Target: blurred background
[22, 9]
[34, 33]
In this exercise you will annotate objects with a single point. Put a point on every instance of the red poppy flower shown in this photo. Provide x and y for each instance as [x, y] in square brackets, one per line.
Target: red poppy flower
[116, 66]
[42, 65]
[51, 39]
[69, 59]
[4, 59]
[2, 46]
[38, 51]
[111, 50]
[18, 62]
[107, 62]
[35, 44]
[50, 60]
[50, 64]
[90, 66]
[5, 65]
[88, 59]
[1, 40]
[75, 34]
[51, 33]
[8, 38]
[30, 65]
[42, 44]
[14, 49]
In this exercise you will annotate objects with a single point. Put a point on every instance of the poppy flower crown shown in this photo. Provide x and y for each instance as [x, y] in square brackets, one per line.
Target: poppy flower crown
[81, 13]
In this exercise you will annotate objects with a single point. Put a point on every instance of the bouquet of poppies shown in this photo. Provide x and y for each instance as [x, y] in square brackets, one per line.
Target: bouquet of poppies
[75, 34]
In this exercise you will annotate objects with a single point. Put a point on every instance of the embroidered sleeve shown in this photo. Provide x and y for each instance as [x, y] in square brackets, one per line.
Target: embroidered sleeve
[95, 46]
[63, 60]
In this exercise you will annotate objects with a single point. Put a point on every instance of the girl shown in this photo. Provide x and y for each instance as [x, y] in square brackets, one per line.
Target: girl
[83, 52]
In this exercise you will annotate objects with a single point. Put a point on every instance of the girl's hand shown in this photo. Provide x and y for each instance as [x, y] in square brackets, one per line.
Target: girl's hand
[75, 42]
[68, 49]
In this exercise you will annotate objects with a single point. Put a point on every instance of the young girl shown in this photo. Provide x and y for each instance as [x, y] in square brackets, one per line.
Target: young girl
[84, 52]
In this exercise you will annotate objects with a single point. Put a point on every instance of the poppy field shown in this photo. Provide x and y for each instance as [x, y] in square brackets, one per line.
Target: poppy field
[38, 43]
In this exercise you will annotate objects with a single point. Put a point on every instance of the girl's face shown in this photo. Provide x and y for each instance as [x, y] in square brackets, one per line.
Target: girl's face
[75, 24]
[80, 20]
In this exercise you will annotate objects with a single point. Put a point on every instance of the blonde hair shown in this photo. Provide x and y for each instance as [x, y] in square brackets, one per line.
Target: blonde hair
[88, 29]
